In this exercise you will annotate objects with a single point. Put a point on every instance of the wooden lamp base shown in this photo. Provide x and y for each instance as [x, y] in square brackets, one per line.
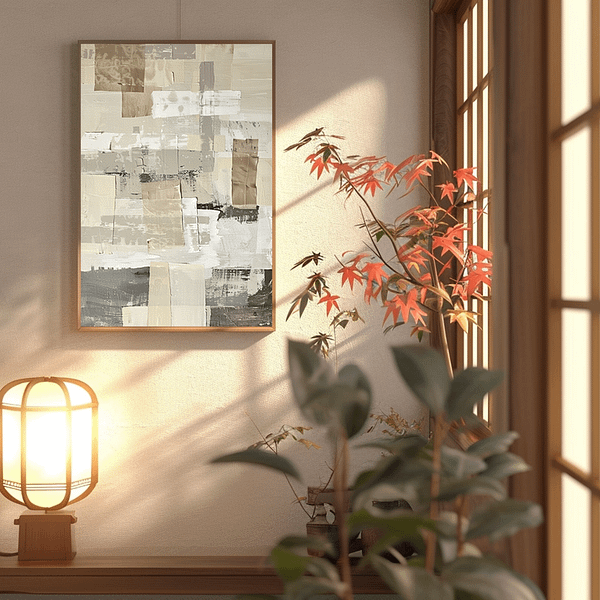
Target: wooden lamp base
[46, 536]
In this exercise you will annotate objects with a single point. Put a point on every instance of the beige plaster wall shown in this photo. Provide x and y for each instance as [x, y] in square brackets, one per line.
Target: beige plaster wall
[171, 401]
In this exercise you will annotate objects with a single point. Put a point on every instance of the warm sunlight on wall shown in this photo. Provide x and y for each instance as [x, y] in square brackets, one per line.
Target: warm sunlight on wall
[169, 402]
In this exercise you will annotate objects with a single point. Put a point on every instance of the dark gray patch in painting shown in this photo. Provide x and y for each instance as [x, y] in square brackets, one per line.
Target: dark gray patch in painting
[183, 51]
[243, 215]
[161, 51]
[222, 316]
[207, 76]
[232, 306]
[143, 164]
[104, 293]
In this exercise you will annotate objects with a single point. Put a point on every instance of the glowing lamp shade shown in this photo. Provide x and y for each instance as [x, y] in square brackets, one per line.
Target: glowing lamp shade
[48, 442]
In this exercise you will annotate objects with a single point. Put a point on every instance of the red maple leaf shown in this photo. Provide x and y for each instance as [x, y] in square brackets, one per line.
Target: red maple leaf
[372, 185]
[330, 300]
[482, 253]
[479, 275]
[318, 164]
[448, 190]
[368, 181]
[350, 274]
[451, 241]
[375, 273]
[394, 307]
[413, 258]
[341, 168]
[438, 158]
[407, 305]
[466, 175]
[421, 169]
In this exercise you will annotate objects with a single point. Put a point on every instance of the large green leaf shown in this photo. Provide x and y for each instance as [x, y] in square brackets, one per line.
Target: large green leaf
[406, 446]
[339, 405]
[500, 466]
[412, 583]
[503, 519]
[289, 565]
[460, 464]
[308, 371]
[408, 479]
[490, 580]
[469, 387]
[495, 444]
[309, 588]
[303, 542]
[357, 407]
[451, 489]
[322, 577]
[400, 526]
[255, 456]
[344, 402]
[424, 370]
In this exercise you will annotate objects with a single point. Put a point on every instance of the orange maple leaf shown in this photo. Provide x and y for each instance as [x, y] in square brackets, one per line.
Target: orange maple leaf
[394, 307]
[350, 274]
[341, 168]
[375, 274]
[448, 190]
[421, 169]
[318, 164]
[466, 175]
[451, 241]
[482, 253]
[330, 300]
[407, 305]
[479, 275]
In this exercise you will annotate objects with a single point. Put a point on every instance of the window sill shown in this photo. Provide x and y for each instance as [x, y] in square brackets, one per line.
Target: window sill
[157, 575]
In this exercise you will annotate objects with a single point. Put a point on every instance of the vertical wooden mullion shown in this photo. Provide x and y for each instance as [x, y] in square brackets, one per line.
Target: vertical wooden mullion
[469, 152]
[460, 136]
[554, 282]
[479, 161]
[595, 279]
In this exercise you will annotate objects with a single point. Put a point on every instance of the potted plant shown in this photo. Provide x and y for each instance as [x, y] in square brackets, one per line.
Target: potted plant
[447, 566]
[420, 267]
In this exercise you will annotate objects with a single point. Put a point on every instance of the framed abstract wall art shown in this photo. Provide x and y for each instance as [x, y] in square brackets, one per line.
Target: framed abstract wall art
[177, 186]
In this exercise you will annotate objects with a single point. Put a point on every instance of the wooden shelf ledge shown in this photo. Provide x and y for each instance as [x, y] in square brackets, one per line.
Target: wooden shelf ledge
[156, 575]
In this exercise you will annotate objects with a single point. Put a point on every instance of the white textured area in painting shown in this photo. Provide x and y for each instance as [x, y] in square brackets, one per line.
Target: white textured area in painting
[97, 198]
[187, 295]
[96, 141]
[159, 295]
[264, 182]
[184, 103]
[135, 316]
[223, 102]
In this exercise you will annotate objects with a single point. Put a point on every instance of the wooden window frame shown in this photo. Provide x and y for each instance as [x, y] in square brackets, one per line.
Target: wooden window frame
[559, 467]
[519, 161]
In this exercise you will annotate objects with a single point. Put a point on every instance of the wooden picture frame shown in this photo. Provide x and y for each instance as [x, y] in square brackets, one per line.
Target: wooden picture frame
[177, 186]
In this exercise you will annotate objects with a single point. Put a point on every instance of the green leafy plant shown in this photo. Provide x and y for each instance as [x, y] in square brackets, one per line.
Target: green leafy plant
[402, 264]
[447, 564]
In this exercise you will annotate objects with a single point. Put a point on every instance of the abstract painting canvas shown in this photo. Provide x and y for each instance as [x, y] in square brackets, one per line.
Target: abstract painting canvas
[177, 177]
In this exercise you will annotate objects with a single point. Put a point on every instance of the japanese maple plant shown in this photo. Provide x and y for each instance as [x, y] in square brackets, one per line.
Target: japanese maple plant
[403, 263]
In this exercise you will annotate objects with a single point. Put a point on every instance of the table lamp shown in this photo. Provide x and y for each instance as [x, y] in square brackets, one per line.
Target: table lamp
[48, 459]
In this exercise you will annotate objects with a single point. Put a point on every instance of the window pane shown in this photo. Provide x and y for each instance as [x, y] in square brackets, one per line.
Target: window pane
[483, 171]
[576, 54]
[465, 70]
[474, 22]
[576, 577]
[576, 386]
[576, 184]
[485, 32]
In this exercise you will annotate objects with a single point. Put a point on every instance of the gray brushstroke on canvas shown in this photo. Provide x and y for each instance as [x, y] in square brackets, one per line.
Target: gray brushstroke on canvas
[104, 292]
